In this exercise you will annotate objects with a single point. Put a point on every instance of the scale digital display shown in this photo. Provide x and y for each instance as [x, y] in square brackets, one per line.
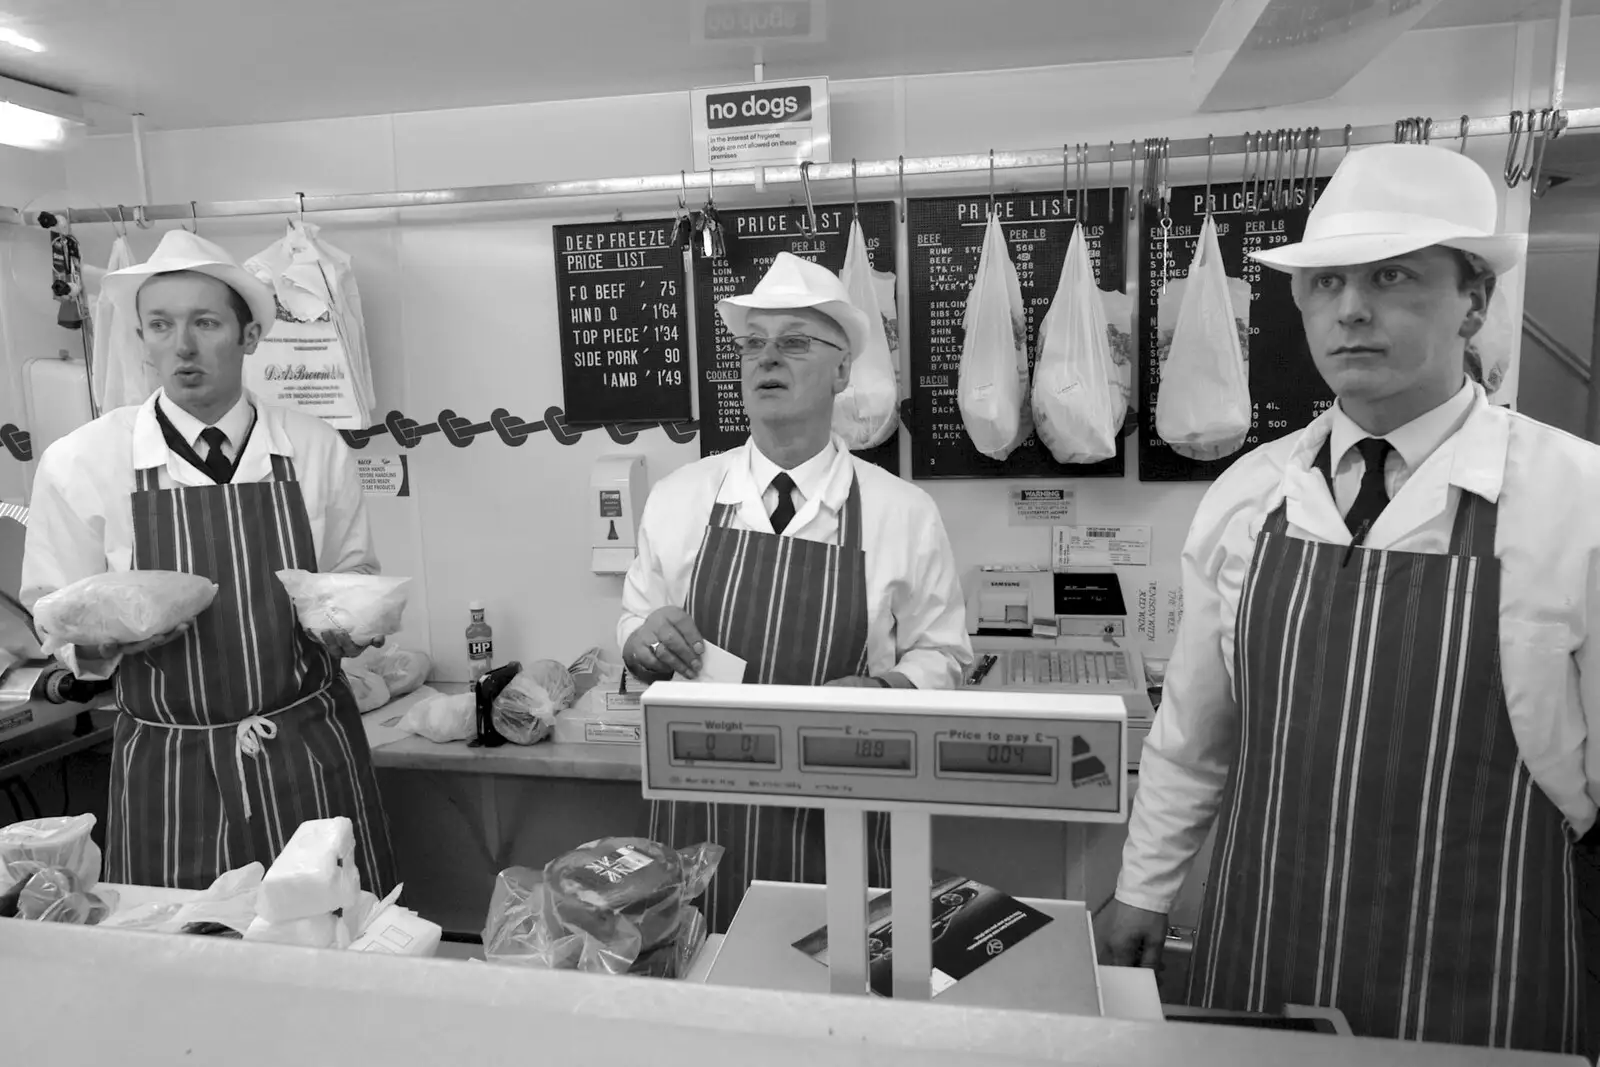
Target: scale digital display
[1051, 756]
[824, 752]
[725, 746]
[979, 757]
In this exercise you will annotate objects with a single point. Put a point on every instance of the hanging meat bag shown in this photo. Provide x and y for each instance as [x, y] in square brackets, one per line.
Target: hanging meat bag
[993, 388]
[1078, 402]
[122, 373]
[1121, 314]
[1203, 405]
[867, 412]
[883, 284]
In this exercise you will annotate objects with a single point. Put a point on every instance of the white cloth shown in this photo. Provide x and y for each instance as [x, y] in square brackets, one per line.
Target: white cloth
[1547, 486]
[234, 425]
[80, 521]
[122, 374]
[1413, 443]
[310, 276]
[917, 615]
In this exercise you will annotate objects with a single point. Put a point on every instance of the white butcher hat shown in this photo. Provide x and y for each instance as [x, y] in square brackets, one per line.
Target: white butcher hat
[181, 250]
[792, 283]
[1390, 200]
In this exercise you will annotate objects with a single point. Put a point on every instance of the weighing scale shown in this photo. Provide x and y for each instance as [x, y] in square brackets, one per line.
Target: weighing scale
[912, 754]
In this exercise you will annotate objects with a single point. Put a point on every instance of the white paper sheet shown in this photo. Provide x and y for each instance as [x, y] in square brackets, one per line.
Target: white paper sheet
[720, 666]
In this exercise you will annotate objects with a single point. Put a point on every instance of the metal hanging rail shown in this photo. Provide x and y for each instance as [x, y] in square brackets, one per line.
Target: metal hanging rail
[1443, 131]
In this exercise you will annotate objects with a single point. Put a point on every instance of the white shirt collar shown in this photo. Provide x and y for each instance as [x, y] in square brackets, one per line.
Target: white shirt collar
[811, 477]
[1416, 440]
[234, 425]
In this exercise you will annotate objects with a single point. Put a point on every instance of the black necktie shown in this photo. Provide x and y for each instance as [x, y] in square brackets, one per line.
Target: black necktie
[1374, 494]
[217, 463]
[784, 512]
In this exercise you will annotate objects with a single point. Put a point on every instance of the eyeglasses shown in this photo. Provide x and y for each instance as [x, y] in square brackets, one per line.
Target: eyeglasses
[790, 344]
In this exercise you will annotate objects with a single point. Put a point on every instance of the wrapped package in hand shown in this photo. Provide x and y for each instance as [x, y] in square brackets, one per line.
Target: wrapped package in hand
[363, 607]
[120, 608]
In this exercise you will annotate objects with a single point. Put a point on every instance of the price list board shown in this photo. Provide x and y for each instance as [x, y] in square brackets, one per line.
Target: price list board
[754, 239]
[1286, 390]
[945, 237]
[622, 300]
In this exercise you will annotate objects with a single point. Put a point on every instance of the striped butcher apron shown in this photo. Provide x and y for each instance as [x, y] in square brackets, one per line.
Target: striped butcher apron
[1382, 848]
[237, 732]
[796, 612]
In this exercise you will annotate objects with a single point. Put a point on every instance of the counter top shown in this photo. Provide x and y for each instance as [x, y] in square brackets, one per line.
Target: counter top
[548, 759]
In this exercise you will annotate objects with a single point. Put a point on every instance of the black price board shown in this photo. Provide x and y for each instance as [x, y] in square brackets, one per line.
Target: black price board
[1285, 387]
[754, 239]
[946, 243]
[620, 291]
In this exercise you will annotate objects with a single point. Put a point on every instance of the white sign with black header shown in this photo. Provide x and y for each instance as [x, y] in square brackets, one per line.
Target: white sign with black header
[762, 124]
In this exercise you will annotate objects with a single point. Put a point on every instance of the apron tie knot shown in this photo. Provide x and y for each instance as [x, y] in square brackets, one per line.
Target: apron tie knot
[253, 732]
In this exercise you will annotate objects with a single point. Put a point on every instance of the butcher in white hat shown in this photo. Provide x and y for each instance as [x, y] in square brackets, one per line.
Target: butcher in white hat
[812, 566]
[236, 728]
[1384, 695]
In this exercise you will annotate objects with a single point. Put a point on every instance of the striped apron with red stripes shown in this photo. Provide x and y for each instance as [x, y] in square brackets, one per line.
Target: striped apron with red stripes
[796, 612]
[234, 734]
[1382, 848]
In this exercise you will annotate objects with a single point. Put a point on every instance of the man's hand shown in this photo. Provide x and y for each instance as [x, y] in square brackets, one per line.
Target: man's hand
[341, 644]
[668, 643]
[101, 653]
[1126, 936]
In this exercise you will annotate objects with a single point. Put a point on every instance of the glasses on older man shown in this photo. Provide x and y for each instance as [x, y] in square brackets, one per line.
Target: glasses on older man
[789, 344]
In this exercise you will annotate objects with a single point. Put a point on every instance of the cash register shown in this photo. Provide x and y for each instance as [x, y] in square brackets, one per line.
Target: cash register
[1034, 630]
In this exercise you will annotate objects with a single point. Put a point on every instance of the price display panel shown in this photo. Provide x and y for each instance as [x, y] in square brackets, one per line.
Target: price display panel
[836, 751]
[946, 236]
[751, 746]
[1285, 388]
[983, 759]
[1030, 755]
[622, 299]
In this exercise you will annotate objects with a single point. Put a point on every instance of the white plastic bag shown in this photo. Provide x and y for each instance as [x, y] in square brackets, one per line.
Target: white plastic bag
[1121, 310]
[992, 392]
[595, 667]
[555, 679]
[883, 286]
[120, 608]
[524, 712]
[122, 373]
[230, 902]
[868, 411]
[442, 719]
[402, 670]
[371, 692]
[1493, 346]
[364, 607]
[1203, 407]
[1078, 406]
[60, 841]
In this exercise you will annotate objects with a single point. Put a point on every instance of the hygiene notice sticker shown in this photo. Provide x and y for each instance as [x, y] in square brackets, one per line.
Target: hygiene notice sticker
[384, 475]
[1042, 506]
[1101, 546]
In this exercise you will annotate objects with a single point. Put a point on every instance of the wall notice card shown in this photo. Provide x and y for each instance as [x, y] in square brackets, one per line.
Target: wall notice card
[384, 475]
[1042, 506]
[1101, 546]
[972, 924]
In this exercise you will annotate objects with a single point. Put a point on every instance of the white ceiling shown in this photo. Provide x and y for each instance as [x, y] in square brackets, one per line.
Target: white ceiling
[188, 63]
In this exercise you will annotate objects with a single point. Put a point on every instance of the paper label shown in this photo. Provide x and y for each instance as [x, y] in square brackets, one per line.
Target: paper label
[1101, 546]
[619, 864]
[1042, 506]
[303, 365]
[623, 701]
[612, 733]
[719, 666]
[384, 475]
